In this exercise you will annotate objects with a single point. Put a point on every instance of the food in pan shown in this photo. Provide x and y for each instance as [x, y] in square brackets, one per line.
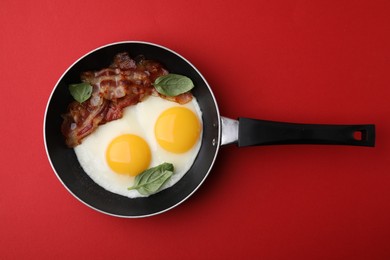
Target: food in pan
[138, 130]
[120, 150]
[103, 94]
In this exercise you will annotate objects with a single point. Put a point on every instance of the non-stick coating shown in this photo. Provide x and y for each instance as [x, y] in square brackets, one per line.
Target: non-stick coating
[64, 161]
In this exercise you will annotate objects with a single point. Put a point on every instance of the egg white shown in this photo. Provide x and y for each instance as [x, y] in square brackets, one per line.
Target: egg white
[138, 120]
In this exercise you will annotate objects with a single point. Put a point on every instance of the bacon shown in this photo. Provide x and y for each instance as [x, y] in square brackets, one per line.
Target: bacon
[81, 120]
[181, 99]
[123, 61]
[124, 83]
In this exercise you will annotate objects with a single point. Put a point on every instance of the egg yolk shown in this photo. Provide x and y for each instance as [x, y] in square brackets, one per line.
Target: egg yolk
[128, 154]
[177, 129]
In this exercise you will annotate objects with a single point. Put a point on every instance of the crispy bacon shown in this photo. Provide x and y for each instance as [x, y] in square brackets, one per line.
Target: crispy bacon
[124, 83]
[81, 120]
[181, 99]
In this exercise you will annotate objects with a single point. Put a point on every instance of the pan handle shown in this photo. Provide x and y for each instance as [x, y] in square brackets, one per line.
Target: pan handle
[261, 132]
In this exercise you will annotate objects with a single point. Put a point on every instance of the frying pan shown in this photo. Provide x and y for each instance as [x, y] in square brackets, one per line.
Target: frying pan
[217, 131]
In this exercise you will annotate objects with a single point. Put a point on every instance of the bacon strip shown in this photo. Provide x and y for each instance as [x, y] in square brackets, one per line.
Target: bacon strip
[81, 120]
[124, 83]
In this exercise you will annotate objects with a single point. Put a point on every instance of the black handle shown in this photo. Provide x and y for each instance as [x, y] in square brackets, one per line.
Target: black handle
[262, 132]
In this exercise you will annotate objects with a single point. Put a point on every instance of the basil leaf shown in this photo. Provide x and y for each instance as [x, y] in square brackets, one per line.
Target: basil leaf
[151, 180]
[173, 84]
[81, 91]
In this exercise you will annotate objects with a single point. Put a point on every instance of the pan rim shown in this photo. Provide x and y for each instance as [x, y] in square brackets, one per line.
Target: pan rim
[216, 142]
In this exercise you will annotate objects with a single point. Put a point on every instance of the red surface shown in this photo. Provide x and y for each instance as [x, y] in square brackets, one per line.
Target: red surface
[298, 61]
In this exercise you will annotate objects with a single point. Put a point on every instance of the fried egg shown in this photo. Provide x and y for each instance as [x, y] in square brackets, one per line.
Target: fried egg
[150, 133]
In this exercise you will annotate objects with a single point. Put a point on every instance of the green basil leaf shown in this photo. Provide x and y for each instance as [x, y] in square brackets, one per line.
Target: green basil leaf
[151, 180]
[80, 91]
[173, 84]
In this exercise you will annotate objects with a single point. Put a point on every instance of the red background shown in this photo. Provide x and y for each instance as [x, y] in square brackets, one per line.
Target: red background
[298, 61]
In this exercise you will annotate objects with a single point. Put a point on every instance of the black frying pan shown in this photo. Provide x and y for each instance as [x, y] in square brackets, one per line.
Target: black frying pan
[217, 131]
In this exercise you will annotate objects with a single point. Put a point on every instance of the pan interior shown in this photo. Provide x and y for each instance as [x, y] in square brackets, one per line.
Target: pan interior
[64, 161]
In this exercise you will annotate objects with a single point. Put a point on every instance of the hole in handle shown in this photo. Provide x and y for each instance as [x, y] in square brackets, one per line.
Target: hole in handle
[360, 135]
